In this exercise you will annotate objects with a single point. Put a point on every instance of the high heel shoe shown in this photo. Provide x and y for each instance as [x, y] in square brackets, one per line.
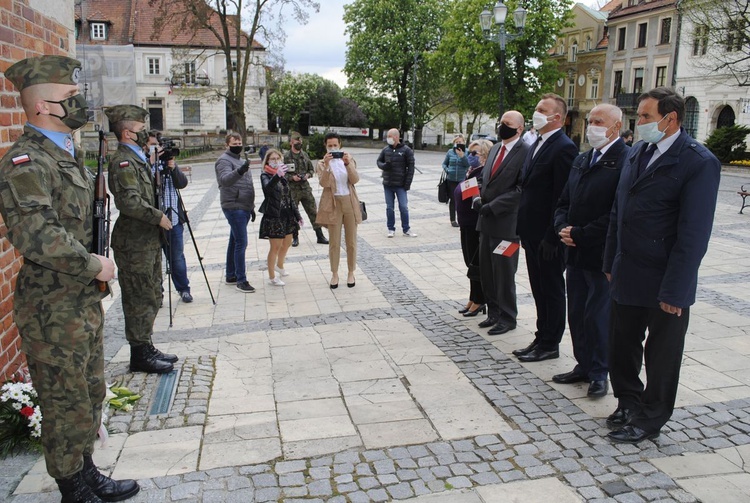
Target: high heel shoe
[466, 309]
[351, 285]
[470, 314]
[334, 285]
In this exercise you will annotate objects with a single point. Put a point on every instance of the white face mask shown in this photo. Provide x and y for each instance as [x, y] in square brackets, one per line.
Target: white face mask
[540, 120]
[597, 136]
[274, 164]
[650, 132]
[390, 141]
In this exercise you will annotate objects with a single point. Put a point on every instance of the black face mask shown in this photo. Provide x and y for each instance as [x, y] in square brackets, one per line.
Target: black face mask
[236, 150]
[506, 131]
[75, 111]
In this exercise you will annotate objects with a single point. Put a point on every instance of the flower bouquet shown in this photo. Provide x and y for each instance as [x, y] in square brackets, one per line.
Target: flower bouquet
[20, 418]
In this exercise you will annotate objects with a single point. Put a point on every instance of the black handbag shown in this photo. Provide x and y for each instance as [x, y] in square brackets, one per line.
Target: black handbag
[443, 189]
[363, 209]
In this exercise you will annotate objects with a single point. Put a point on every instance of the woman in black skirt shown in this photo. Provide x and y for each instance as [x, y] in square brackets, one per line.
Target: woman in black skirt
[281, 217]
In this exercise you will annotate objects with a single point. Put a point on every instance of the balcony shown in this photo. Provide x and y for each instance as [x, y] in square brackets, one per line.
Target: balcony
[628, 100]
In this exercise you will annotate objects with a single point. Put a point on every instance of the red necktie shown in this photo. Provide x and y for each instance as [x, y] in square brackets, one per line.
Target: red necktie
[498, 162]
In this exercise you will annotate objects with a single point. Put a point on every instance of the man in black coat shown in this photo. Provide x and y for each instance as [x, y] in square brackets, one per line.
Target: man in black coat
[543, 177]
[658, 234]
[581, 220]
[498, 214]
[396, 161]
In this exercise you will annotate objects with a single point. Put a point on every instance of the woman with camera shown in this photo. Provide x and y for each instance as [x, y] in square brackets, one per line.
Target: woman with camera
[467, 222]
[455, 166]
[280, 215]
[339, 206]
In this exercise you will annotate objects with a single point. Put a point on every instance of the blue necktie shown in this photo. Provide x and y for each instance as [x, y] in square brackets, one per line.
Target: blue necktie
[645, 157]
[595, 157]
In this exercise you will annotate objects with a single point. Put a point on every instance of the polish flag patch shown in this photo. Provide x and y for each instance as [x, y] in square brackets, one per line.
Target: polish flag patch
[124, 164]
[506, 248]
[469, 188]
[20, 159]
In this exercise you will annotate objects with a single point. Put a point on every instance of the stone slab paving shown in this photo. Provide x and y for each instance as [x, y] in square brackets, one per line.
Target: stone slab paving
[383, 392]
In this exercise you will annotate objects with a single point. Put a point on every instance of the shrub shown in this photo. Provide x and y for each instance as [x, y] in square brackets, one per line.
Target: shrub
[316, 148]
[728, 143]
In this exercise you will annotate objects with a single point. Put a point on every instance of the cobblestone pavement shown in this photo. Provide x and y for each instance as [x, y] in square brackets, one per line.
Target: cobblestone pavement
[553, 445]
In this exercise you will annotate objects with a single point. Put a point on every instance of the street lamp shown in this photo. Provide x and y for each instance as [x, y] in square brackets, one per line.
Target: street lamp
[500, 12]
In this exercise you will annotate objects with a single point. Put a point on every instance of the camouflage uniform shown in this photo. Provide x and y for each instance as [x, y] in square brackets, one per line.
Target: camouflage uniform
[136, 243]
[301, 191]
[46, 201]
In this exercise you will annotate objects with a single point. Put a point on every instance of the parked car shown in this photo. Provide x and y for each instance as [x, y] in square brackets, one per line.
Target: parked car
[480, 136]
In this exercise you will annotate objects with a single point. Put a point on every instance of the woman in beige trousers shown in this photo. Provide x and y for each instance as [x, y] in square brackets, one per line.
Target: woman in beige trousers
[339, 206]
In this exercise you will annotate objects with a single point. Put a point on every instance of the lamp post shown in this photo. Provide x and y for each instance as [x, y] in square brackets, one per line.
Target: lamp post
[499, 13]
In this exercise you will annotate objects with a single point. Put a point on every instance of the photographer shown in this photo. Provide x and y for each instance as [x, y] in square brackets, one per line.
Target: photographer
[300, 169]
[161, 155]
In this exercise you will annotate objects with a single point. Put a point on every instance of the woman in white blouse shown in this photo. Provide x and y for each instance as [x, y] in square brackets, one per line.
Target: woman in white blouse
[339, 206]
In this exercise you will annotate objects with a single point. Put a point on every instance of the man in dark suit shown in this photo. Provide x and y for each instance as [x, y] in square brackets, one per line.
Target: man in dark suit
[544, 174]
[581, 220]
[658, 234]
[498, 213]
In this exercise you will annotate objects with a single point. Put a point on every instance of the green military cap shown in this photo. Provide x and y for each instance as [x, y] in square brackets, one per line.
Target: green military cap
[44, 70]
[126, 113]
[296, 135]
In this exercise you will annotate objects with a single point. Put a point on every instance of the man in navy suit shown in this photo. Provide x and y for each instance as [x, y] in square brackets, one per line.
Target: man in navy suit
[544, 174]
[581, 220]
[658, 234]
[498, 213]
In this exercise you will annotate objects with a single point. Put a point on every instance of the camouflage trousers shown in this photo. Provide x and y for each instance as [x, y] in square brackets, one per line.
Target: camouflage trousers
[302, 193]
[65, 353]
[139, 276]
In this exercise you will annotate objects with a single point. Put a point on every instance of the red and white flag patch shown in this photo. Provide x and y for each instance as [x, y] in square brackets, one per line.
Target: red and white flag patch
[124, 164]
[469, 188]
[506, 248]
[20, 159]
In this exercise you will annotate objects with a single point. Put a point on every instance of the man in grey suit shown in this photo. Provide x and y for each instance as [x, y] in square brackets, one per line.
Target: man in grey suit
[498, 213]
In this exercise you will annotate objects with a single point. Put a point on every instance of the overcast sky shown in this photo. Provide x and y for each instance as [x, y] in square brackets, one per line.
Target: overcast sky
[319, 46]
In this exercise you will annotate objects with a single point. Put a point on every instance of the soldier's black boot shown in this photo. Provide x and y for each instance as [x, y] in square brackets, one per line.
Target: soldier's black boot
[106, 488]
[75, 490]
[143, 360]
[321, 238]
[295, 239]
[166, 357]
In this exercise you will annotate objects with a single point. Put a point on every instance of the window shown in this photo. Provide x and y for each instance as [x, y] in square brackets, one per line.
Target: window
[700, 40]
[642, 30]
[691, 117]
[588, 43]
[735, 34]
[191, 112]
[638, 80]
[618, 84]
[450, 127]
[571, 91]
[98, 31]
[190, 73]
[154, 66]
[666, 29]
[594, 88]
[561, 47]
[621, 38]
[234, 66]
[573, 52]
[77, 28]
[661, 76]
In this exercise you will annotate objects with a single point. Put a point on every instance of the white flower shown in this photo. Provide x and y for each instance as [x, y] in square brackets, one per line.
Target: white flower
[16, 406]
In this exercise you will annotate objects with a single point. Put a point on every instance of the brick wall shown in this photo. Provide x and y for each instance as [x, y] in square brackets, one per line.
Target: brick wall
[27, 28]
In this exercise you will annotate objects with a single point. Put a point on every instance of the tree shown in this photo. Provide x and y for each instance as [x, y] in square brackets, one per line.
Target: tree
[728, 143]
[387, 48]
[381, 111]
[470, 63]
[719, 36]
[224, 20]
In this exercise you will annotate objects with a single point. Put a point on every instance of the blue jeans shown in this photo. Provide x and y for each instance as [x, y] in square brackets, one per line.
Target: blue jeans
[176, 259]
[238, 220]
[390, 194]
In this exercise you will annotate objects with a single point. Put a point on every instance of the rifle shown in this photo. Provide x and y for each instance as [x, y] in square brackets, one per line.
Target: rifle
[101, 207]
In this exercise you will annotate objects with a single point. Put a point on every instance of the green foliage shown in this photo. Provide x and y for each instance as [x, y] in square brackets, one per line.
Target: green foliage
[316, 148]
[381, 112]
[728, 143]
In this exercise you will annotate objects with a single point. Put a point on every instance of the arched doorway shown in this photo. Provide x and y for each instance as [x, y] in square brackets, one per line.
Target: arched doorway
[691, 117]
[726, 117]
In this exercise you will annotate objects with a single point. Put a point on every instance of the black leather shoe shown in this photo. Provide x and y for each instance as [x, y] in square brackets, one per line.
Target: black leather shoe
[488, 322]
[471, 314]
[104, 487]
[321, 238]
[464, 310]
[295, 241]
[619, 418]
[528, 349]
[143, 360]
[75, 490]
[165, 357]
[569, 378]
[500, 328]
[630, 434]
[598, 389]
[538, 355]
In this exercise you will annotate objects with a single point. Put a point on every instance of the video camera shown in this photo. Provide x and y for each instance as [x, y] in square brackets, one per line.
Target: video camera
[169, 149]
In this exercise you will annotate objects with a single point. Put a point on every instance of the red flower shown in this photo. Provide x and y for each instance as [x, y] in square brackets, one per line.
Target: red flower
[27, 411]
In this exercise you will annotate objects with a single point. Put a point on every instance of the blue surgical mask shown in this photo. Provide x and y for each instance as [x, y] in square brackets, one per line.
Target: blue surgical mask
[650, 132]
[473, 160]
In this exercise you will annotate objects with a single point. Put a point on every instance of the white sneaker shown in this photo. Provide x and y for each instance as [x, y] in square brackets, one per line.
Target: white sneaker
[391, 234]
[410, 234]
[281, 271]
[275, 282]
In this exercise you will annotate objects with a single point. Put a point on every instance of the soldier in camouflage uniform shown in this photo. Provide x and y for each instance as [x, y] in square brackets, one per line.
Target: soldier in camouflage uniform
[46, 201]
[136, 237]
[300, 169]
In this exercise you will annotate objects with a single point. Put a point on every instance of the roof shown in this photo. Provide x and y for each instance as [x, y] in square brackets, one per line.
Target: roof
[601, 16]
[643, 6]
[611, 5]
[116, 14]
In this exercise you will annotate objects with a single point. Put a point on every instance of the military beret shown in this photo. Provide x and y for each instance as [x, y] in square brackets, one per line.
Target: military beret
[296, 135]
[119, 113]
[44, 70]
